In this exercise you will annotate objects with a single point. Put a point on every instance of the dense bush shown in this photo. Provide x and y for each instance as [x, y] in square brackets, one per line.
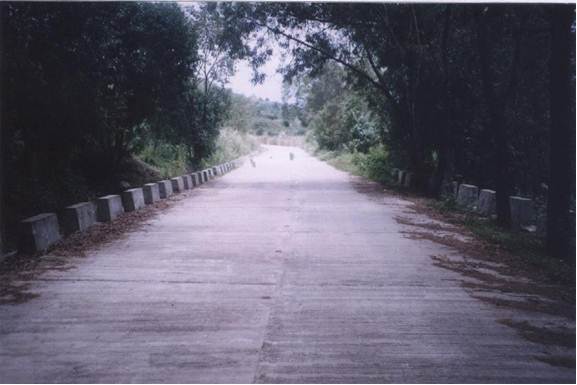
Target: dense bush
[169, 159]
[374, 164]
[86, 86]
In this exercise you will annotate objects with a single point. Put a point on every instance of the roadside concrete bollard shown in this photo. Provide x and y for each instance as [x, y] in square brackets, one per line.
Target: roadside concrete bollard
[395, 174]
[467, 196]
[522, 212]
[78, 217]
[486, 204]
[408, 179]
[186, 182]
[39, 232]
[151, 193]
[195, 179]
[205, 175]
[177, 184]
[164, 189]
[108, 208]
[455, 189]
[132, 199]
[400, 177]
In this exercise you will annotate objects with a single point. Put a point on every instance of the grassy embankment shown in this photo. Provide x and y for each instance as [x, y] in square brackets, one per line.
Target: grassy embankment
[373, 165]
[170, 160]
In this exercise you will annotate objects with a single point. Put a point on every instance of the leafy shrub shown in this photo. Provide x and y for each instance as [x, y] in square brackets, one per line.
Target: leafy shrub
[169, 159]
[375, 164]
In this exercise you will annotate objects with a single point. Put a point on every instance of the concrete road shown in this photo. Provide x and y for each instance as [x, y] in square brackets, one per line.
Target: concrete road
[281, 272]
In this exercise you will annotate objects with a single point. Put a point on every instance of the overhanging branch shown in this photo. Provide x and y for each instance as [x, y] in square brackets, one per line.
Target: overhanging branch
[348, 65]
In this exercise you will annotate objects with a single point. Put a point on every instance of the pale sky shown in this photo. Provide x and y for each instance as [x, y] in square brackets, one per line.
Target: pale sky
[271, 88]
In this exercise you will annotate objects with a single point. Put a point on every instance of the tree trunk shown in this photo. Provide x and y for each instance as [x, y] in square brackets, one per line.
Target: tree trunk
[503, 180]
[444, 168]
[561, 139]
[498, 127]
[2, 131]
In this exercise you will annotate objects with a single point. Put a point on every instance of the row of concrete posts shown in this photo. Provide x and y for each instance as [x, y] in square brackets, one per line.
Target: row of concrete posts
[41, 231]
[483, 202]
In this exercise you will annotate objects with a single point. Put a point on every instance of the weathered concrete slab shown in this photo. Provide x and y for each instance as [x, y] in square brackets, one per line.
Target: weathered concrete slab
[133, 199]
[78, 217]
[522, 212]
[290, 275]
[177, 184]
[467, 196]
[487, 203]
[38, 233]
[187, 182]
[151, 193]
[165, 189]
[108, 208]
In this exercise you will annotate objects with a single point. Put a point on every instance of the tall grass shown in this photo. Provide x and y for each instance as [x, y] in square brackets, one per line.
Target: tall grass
[168, 159]
[374, 164]
[171, 160]
[230, 145]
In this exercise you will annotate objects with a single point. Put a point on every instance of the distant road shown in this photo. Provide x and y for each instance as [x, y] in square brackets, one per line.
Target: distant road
[281, 272]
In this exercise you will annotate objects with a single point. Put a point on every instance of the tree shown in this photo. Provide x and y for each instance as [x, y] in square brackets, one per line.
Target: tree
[457, 84]
[81, 83]
[562, 134]
[215, 67]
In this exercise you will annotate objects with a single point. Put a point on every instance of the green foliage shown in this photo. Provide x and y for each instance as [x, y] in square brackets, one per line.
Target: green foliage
[85, 86]
[169, 159]
[374, 164]
[340, 118]
[230, 144]
[88, 107]
[263, 117]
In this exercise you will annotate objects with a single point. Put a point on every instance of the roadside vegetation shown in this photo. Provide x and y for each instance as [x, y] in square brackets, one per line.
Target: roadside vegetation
[97, 98]
[123, 92]
[231, 144]
[479, 93]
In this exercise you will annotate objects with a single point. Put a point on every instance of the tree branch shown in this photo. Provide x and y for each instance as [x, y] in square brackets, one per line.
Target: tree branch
[350, 66]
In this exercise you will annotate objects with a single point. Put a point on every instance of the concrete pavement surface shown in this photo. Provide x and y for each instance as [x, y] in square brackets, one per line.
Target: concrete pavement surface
[282, 272]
